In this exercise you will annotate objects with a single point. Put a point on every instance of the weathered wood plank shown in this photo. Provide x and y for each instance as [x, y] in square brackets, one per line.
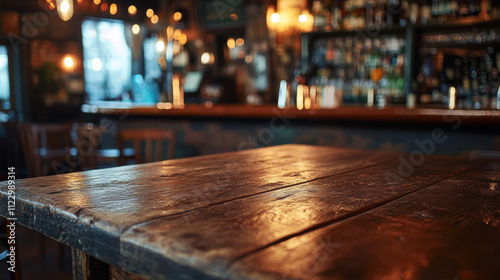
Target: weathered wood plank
[210, 239]
[86, 267]
[449, 230]
[191, 218]
[90, 210]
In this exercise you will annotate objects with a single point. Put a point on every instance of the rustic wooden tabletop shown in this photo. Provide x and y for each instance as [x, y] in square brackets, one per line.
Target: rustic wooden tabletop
[283, 212]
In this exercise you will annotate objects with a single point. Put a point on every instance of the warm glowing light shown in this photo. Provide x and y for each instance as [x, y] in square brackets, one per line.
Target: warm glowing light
[97, 2]
[113, 9]
[452, 98]
[52, 6]
[150, 13]
[183, 39]
[307, 99]
[205, 58]
[302, 18]
[64, 6]
[65, 9]
[177, 16]
[136, 29]
[170, 33]
[96, 64]
[176, 91]
[300, 97]
[240, 42]
[234, 17]
[80, 1]
[104, 7]
[177, 34]
[154, 19]
[248, 59]
[68, 62]
[160, 45]
[132, 10]
[230, 43]
[275, 18]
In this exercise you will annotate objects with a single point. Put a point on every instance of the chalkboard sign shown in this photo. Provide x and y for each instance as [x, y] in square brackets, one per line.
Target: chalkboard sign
[221, 13]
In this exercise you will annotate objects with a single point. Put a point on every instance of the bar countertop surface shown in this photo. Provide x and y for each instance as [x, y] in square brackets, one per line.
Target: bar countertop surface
[282, 212]
[389, 114]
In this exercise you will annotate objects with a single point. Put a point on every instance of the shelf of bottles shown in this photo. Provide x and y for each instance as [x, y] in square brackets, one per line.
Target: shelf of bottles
[358, 70]
[335, 15]
[459, 68]
[383, 53]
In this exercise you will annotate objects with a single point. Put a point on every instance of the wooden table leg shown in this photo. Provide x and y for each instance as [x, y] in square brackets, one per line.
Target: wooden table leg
[86, 267]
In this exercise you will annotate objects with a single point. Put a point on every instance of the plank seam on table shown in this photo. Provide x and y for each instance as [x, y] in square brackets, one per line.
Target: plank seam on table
[253, 194]
[347, 216]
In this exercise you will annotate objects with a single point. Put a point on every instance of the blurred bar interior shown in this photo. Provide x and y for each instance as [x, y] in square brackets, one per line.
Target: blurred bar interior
[219, 73]
[212, 76]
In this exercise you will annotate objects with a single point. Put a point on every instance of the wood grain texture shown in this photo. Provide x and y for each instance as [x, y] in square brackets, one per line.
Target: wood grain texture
[85, 267]
[449, 230]
[195, 218]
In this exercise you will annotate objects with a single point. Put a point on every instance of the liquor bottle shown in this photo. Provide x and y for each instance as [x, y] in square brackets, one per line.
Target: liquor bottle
[463, 8]
[370, 14]
[380, 10]
[474, 7]
[435, 9]
[336, 15]
[404, 15]
[318, 16]
[347, 20]
[425, 12]
[453, 9]
[415, 11]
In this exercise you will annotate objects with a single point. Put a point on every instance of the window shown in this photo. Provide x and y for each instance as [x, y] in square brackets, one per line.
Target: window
[107, 59]
[151, 57]
[4, 79]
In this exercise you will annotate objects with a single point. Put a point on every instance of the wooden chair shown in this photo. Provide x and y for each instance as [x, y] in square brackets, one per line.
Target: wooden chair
[149, 137]
[87, 138]
[47, 148]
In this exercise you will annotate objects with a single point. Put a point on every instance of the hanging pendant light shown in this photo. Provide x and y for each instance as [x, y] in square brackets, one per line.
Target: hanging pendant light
[65, 9]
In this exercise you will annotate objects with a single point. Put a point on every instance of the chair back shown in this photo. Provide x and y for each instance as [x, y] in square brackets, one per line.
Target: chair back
[46, 146]
[152, 138]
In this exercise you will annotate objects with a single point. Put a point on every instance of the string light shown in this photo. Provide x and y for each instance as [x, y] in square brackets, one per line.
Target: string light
[154, 19]
[68, 62]
[97, 2]
[150, 13]
[177, 34]
[136, 29]
[183, 39]
[132, 10]
[113, 9]
[240, 42]
[230, 43]
[177, 16]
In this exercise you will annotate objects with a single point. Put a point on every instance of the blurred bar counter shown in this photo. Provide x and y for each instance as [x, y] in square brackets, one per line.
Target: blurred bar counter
[388, 115]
